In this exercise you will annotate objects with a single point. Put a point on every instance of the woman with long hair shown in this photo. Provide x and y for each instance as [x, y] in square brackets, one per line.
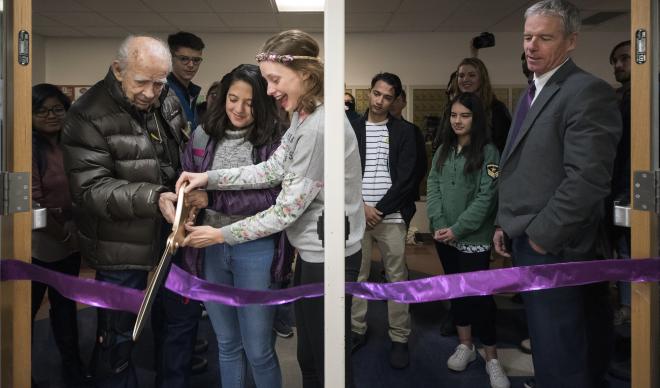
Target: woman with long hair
[56, 246]
[290, 63]
[461, 205]
[240, 128]
[472, 77]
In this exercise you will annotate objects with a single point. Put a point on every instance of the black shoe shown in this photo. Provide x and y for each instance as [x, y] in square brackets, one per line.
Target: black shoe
[357, 341]
[399, 356]
[531, 383]
[198, 365]
[75, 374]
[282, 329]
[447, 327]
[201, 346]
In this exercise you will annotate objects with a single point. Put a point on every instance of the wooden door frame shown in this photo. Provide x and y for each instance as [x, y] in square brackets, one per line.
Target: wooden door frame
[15, 367]
[645, 300]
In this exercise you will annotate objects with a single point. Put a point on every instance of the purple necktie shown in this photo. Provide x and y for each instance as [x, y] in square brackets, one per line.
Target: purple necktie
[520, 116]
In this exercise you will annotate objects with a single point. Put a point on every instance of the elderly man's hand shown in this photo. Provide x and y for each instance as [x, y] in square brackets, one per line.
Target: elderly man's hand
[166, 203]
[199, 199]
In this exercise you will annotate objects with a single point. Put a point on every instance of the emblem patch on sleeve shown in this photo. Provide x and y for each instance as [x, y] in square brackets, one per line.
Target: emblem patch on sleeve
[493, 170]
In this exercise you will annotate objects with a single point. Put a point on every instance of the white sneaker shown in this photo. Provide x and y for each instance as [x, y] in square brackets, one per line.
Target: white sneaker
[461, 358]
[496, 374]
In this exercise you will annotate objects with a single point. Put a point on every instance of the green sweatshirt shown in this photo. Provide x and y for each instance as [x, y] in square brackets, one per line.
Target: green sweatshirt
[465, 203]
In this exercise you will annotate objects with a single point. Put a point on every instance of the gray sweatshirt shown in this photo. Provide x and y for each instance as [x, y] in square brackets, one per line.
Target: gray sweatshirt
[298, 166]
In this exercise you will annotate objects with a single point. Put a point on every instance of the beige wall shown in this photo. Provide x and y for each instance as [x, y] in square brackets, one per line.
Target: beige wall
[38, 59]
[419, 58]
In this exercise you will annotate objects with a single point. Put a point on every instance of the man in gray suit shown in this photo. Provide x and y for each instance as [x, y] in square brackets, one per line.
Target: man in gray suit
[555, 173]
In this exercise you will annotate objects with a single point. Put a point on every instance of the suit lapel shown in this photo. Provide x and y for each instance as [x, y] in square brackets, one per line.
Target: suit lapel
[549, 90]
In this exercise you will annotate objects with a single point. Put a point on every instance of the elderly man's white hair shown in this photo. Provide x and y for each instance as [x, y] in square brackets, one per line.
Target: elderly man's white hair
[134, 47]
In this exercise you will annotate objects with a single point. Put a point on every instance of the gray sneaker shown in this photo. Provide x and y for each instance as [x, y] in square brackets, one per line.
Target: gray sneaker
[461, 358]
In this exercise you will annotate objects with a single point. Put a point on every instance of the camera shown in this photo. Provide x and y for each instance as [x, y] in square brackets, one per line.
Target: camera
[485, 39]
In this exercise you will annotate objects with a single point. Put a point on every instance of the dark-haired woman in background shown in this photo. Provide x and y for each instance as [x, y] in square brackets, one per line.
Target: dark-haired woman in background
[472, 77]
[241, 128]
[461, 204]
[56, 246]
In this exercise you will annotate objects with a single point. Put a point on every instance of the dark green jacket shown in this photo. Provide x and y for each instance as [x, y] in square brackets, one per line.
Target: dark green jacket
[464, 203]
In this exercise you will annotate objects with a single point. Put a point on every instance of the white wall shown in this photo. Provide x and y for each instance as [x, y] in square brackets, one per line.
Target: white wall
[418, 58]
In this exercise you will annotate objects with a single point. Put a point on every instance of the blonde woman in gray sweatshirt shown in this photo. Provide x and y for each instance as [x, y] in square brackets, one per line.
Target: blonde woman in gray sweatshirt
[289, 61]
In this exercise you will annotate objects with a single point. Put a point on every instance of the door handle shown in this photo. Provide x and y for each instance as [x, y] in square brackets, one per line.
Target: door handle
[621, 214]
[39, 217]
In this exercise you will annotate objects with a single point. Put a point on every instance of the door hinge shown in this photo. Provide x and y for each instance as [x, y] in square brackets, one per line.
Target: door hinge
[646, 191]
[15, 189]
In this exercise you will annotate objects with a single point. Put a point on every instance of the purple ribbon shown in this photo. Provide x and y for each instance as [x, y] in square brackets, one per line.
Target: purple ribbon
[88, 291]
[517, 279]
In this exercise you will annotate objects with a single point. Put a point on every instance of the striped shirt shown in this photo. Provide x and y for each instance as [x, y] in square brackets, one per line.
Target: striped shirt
[376, 179]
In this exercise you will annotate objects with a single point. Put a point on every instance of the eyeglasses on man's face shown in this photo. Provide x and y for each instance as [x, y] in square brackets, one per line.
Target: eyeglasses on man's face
[186, 59]
[58, 111]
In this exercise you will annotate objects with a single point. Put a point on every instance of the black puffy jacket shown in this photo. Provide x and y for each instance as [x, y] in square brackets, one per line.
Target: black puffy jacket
[115, 175]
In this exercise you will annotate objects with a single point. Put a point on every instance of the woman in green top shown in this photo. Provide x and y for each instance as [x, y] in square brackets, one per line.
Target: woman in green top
[461, 203]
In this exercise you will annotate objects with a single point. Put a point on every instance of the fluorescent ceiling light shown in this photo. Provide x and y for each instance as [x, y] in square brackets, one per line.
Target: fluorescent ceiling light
[300, 5]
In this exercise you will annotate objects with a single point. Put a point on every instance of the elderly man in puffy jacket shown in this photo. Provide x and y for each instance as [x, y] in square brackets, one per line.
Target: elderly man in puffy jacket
[122, 142]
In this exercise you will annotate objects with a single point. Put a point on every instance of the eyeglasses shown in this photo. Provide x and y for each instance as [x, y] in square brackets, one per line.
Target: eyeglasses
[58, 111]
[186, 59]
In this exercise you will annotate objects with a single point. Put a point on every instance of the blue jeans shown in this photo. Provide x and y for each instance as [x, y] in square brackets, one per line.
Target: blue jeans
[111, 360]
[243, 330]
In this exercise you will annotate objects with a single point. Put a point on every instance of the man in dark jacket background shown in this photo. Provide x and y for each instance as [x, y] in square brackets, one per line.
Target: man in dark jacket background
[388, 152]
[186, 49]
[122, 143]
[396, 110]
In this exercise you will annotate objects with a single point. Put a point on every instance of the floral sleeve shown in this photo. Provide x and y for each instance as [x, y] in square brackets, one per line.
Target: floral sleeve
[302, 182]
[258, 176]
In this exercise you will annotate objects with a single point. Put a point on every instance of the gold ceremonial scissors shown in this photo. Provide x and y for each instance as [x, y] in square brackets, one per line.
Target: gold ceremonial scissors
[174, 240]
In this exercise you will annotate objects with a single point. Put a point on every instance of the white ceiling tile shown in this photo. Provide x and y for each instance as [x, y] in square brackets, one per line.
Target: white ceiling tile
[367, 20]
[138, 19]
[57, 6]
[244, 6]
[603, 5]
[83, 19]
[206, 29]
[300, 20]
[161, 6]
[194, 19]
[105, 32]
[117, 6]
[246, 20]
[39, 20]
[514, 22]
[58, 31]
[256, 29]
[413, 22]
[439, 8]
[372, 5]
[482, 15]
